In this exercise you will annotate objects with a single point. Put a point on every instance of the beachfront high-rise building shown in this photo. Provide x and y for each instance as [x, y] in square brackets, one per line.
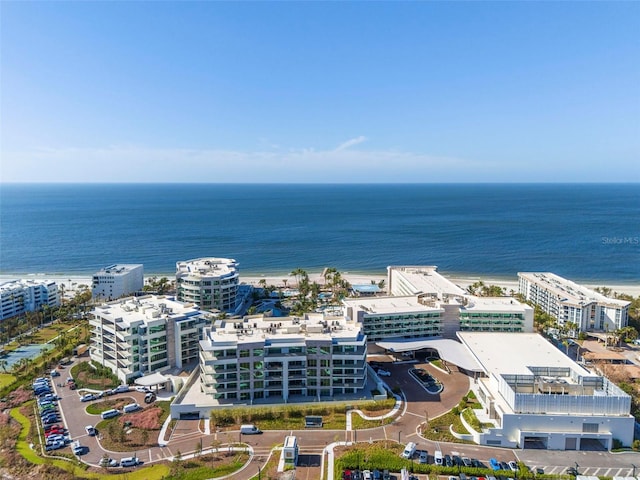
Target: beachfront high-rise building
[315, 357]
[425, 304]
[137, 336]
[420, 280]
[116, 281]
[211, 283]
[569, 302]
[20, 296]
[423, 316]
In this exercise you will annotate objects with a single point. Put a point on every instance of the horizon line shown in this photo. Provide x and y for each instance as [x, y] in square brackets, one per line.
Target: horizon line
[621, 182]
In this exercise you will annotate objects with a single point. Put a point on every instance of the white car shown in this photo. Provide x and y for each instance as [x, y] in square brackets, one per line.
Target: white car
[87, 397]
[513, 466]
[142, 389]
[383, 373]
[108, 462]
[90, 430]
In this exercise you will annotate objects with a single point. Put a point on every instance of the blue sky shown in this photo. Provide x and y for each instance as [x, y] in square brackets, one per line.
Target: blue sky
[320, 92]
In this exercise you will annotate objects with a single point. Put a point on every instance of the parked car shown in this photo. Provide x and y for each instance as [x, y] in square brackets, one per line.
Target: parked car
[87, 397]
[513, 466]
[409, 450]
[91, 431]
[54, 446]
[424, 457]
[141, 389]
[366, 475]
[108, 462]
[129, 462]
[494, 464]
[383, 373]
[78, 449]
[55, 373]
[466, 461]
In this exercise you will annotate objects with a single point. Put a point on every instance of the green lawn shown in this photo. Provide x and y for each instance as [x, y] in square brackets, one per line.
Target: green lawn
[6, 379]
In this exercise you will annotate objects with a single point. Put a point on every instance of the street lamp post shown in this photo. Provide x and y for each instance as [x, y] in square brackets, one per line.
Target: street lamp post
[634, 470]
[399, 436]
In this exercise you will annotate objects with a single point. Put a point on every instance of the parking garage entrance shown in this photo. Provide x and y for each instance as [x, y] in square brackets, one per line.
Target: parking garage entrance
[535, 443]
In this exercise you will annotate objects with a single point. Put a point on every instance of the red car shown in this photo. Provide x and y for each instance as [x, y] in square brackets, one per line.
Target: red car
[57, 431]
[51, 427]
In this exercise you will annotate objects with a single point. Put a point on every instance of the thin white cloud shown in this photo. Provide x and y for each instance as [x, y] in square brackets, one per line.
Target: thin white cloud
[139, 164]
[350, 143]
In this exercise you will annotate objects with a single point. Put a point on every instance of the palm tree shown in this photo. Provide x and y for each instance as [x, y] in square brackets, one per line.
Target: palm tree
[3, 365]
[298, 273]
[328, 274]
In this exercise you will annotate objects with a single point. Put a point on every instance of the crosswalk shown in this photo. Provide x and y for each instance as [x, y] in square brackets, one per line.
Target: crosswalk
[589, 471]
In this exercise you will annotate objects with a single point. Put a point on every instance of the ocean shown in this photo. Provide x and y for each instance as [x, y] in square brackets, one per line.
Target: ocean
[585, 232]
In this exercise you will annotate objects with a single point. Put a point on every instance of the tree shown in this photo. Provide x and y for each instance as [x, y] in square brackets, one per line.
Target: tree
[144, 434]
[198, 449]
[215, 445]
[298, 273]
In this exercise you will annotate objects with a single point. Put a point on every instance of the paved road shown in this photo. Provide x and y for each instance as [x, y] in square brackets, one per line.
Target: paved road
[420, 404]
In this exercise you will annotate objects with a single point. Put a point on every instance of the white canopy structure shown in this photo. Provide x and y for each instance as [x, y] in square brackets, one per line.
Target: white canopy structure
[152, 380]
[449, 350]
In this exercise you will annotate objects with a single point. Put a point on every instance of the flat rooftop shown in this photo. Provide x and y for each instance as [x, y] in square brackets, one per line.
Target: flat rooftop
[389, 305]
[426, 279]
[282, 330]
[493, 304]
[118, 269]
[148, 308]
[568, 290]
[18, 284]
[513, 353]
[214, 267]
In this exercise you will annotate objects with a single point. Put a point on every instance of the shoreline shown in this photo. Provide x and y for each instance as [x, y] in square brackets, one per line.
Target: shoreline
[73, 280]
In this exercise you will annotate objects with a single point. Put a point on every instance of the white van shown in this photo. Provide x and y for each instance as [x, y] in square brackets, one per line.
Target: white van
[437, 457]
[409, 450]
[129, 462]
[109, 413]
[250, 430]
[121, 389]
[132, 407]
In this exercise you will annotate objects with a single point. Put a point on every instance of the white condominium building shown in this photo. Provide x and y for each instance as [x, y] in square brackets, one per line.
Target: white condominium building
[418, 280]
[282, 358]
[20, 296]
[116, 281]
[137, 336]
[537, 397]
[569, 302]
[211, 283]
[395, 317]
[420, 316]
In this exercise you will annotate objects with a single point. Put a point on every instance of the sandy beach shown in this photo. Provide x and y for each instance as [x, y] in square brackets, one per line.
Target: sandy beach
[73, 282]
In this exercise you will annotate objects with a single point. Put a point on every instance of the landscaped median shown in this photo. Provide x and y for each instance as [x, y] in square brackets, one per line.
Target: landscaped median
[292, 417]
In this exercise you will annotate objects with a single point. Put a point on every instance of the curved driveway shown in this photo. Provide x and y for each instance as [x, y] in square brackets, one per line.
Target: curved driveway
[186, 436]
